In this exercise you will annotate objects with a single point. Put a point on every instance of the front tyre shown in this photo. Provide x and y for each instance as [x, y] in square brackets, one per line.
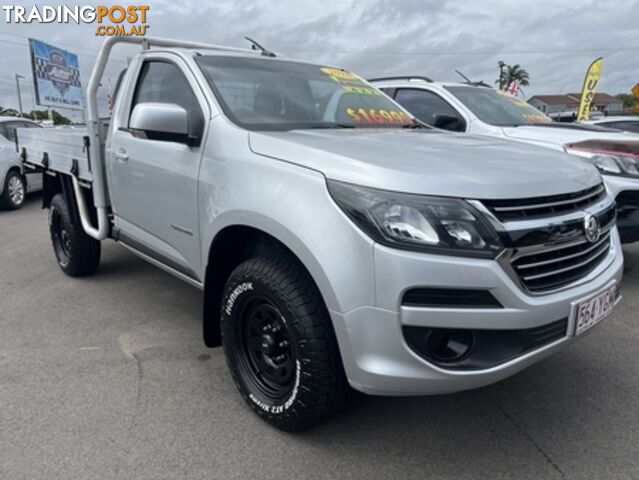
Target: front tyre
[15, 191]
[280, 345]
[77, 253]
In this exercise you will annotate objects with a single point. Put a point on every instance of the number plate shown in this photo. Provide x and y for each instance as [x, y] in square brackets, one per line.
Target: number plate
[591, 311]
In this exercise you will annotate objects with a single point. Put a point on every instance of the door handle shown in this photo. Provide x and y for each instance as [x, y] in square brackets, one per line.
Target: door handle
[121, 155]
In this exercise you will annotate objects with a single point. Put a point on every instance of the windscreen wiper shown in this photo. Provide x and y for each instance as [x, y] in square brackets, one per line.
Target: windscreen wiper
[330, 125]
[418, 124]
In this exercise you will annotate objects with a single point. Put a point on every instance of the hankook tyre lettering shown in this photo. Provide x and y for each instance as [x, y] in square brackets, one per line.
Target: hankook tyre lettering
[280, 345]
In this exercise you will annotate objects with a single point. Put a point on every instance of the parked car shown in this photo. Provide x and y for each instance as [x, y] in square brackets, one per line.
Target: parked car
[627, 124]
[338, 242]
[14, 182]
[481, 110]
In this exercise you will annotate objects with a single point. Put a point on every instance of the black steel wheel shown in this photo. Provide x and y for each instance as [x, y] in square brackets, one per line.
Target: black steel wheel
[280, 344]
[76, 252]
[60, 237]
[268, 359]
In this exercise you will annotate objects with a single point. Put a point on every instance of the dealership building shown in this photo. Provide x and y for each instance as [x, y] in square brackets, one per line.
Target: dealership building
[569, 102]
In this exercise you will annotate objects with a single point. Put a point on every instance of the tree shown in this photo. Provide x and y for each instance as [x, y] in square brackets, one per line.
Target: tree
[58, 119]
[9, 112]
[513, 72]
[40, 115]
[628, 99]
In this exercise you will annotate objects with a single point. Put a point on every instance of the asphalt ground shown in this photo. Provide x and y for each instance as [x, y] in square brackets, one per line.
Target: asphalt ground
[107, 377]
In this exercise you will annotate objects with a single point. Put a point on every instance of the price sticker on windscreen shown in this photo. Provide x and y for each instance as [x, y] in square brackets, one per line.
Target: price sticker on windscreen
[367, 105]
[350, 82]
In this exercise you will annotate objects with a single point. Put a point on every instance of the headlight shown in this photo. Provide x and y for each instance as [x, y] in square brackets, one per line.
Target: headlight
[617, 164]
[417, 222]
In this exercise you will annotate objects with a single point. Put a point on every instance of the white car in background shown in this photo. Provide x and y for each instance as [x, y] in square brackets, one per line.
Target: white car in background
[14, 183]
[479, 109]
[627, 124]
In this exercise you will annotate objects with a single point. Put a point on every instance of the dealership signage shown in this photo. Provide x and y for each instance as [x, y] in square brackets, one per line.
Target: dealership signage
[56, 76]
[590, 87]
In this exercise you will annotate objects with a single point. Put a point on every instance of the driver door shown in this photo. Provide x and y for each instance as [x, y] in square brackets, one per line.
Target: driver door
[154, 182]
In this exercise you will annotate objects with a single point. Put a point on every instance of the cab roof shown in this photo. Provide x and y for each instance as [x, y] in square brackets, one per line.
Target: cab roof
[420, 80]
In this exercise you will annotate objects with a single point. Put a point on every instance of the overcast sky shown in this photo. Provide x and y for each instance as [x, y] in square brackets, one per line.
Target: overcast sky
[555, 40]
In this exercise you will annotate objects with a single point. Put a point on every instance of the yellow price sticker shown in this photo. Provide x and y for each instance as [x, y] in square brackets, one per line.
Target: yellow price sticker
[373, 116]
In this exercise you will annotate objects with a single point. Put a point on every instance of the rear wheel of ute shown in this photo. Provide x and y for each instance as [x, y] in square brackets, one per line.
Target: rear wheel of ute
[77, 253]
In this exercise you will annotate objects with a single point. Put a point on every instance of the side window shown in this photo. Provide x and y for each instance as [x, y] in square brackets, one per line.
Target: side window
[426, 105]
[630, 126]
[29, 125]
[11, 130]
[118, 84]
[163, 82]
[3, 130]
[623, 125]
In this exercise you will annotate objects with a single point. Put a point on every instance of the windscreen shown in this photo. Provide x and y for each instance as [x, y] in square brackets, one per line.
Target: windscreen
[498, 108]
[267, 94]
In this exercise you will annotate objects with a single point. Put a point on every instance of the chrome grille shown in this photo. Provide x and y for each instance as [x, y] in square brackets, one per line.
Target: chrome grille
[540, 207]
[556, 267]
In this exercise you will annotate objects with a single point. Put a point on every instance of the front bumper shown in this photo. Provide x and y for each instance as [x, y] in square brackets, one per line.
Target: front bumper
[377, 357]
[626, 193]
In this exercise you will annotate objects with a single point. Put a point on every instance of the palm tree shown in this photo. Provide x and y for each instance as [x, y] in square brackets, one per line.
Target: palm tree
[513, 72]
[9, 112]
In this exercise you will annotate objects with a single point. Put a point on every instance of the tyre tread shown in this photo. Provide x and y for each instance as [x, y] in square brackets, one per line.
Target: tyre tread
[85, 251]
[5, 202]
[323, 366]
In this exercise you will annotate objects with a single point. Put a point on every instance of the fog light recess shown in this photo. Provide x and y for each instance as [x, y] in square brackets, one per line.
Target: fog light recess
[449, 346]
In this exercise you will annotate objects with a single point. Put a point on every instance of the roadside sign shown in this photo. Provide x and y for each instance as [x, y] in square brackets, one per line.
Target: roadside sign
[56, 76]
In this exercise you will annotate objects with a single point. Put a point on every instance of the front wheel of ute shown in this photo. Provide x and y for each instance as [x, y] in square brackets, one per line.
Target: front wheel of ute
[280, 345]
[77, 253]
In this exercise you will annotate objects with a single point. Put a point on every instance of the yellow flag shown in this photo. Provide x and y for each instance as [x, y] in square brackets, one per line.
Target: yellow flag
[588, 90]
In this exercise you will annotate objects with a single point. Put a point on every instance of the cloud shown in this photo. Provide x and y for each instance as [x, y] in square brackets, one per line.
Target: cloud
[555, 40]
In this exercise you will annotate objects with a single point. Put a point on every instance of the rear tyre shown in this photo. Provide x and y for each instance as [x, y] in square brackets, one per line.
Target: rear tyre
[280, 345]
[77, 253]
[15, 191]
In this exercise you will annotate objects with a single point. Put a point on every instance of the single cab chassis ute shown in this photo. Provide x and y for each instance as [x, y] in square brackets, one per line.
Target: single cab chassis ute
[337, 241]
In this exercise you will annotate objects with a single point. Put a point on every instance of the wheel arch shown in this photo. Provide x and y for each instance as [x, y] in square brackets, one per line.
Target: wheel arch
[235, 243]
[59, 183]
[11, 168]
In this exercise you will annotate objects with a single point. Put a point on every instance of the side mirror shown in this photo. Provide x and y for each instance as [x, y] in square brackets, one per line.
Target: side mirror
[162, 121]
[447, 122]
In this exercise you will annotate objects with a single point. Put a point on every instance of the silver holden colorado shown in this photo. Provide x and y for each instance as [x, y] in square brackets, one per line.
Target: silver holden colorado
[337, 241]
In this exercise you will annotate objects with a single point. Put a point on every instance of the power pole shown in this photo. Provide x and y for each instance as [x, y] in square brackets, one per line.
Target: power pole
[18, 77]
[501, 74]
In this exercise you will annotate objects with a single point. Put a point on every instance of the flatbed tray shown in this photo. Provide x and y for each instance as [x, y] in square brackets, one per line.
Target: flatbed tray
[63, 150]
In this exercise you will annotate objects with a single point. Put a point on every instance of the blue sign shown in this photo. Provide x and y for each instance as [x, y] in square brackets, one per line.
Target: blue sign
[56, 76]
